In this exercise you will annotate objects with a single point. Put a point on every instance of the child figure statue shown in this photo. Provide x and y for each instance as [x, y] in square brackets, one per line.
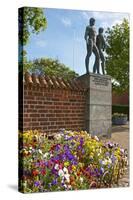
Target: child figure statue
[100, 42]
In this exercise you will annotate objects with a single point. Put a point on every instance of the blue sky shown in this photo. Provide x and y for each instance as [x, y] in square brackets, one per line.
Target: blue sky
[64, 37]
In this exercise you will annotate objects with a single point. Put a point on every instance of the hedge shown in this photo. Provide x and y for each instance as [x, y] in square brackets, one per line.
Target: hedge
[121, 109]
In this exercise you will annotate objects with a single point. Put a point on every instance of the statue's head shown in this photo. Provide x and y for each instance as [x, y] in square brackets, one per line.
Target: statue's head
[100, 30]
[92, 21]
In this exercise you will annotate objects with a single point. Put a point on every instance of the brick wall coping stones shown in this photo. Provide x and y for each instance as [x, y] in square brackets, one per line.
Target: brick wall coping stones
[52, 82]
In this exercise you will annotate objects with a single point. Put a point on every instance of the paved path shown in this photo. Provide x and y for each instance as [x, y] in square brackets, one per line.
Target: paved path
[120, 134]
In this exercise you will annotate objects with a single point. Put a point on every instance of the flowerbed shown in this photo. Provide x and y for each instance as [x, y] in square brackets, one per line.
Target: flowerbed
[72, 161]
[119, 119]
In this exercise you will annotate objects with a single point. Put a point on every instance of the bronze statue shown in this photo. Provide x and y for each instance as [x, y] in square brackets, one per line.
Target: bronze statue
[90, 37]
[100, 42]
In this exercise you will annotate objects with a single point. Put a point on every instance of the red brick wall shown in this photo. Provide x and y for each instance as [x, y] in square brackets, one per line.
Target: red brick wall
[122, 99]
[49, 109]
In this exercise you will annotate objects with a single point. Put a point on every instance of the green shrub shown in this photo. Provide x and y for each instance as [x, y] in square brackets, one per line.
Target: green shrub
[121, 109]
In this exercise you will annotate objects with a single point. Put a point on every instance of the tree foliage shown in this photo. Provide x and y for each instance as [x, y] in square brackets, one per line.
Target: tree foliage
[52, 67]
[117, 61]
[24, 64]
[31, 20]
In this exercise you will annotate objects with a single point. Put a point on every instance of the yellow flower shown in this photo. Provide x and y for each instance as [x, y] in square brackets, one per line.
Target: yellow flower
[66, 164]
[26, 152]
[73, 167]
[92, 154]
[81, 164]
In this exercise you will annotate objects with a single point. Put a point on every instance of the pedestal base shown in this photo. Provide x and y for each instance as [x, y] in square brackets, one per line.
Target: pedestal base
[98, 114]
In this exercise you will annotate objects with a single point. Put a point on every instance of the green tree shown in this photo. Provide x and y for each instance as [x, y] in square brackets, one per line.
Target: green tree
[31, 20]
[24, 64]
[52, 67]
[117, 60]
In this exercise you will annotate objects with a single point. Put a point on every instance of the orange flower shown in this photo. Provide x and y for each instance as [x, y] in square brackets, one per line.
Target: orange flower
[35, 172]
[78, 173]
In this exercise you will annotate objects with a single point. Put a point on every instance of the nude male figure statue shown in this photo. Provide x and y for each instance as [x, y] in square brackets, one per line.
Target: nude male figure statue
[101, 45]
[90, 37]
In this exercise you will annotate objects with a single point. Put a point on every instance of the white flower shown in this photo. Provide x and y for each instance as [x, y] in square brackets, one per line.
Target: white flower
[65, 170]
[51, 155]
[122, 151]
[40, 151]
[104, 162]
[96, 138]
[67, 177]
[109, 161]
[66, 137]
[56, 166]
[65, 186]
[69, 187]
[57, 136]
[81, 179]
[62, 181]
[46, 155]
[60, 173]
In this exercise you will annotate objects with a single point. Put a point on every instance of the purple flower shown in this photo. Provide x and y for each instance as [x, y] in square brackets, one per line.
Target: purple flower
[107, 154]
[70, 138]
[109, 165]
[46, 163]
[70, 156]
[83, 151]
[110, 144]
[57, 148]
[72, 143]
[92, 173]
[100, 161]
[81, 141]
[54, 171]
[96, 170]
[66, 147]
[79, 147]
[63, 157]
[36, 183]
[88, 169]
[113, 158]
[101, 170]
[37, 164]
[54, 182]
[74, 162]
[57, 157]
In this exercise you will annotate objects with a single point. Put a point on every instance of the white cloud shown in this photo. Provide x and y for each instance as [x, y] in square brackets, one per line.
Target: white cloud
[41, 43]
[66, 22]
[104, 25]
[116, 22]
[108, 15]
[107, 19]
[85, 15]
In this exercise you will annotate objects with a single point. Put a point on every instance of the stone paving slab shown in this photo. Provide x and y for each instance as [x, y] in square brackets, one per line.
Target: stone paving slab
[120, 134]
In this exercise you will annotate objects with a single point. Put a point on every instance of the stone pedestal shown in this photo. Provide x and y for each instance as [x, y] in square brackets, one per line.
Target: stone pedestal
[98, 114]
